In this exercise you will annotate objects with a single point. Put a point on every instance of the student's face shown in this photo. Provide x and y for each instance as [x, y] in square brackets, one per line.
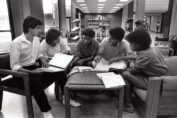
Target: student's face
[113, 41]
[87, 39]
[55, 42]
[134, 47]
[37, 31]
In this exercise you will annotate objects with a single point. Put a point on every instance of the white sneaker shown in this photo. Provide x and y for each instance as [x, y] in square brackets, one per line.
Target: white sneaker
[47, 114]
[73, 103]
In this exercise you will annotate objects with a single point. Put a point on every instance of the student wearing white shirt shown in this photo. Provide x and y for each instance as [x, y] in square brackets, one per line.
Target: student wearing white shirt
[53, 44]
[24, 51]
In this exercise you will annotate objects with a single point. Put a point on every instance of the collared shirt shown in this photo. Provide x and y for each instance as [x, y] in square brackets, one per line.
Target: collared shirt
[23, 52]
[50, 51]
[108, 51]
[84, 51]
[150, 62]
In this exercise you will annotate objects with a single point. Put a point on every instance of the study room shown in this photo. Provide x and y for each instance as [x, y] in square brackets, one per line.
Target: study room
[88, 58]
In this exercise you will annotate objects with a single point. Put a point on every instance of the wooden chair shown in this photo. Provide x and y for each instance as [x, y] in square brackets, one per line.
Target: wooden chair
[161, 96]
[10, 85]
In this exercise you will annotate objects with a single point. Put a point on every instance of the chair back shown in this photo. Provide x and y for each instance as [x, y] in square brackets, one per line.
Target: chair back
[172, 65]
[5, 61]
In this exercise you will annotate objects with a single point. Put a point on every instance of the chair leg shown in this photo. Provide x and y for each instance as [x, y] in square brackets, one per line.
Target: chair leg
[1, 98]
[30, 106]
[57, 91]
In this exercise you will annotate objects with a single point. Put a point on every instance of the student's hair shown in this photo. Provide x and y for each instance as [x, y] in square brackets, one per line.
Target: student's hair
[141, 37]
[139, 22]
[117, 33]
[51, 35]
[88, 32]
[30, 22]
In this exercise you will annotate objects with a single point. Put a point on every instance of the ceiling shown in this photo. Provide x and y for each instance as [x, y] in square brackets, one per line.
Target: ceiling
[112, 6]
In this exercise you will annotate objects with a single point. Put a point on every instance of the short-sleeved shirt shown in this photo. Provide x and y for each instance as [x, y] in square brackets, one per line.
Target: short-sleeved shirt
[150, 62]
[108, 51]
[84, 51]
[50, 51]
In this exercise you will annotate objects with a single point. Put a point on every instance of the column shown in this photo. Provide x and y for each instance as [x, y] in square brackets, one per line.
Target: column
[139, 9]
[62, 17]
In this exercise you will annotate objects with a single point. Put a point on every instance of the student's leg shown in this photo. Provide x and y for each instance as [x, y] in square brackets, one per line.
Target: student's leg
[37, 89]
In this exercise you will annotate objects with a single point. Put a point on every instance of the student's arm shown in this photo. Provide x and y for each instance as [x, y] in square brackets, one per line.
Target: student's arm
[64, 47]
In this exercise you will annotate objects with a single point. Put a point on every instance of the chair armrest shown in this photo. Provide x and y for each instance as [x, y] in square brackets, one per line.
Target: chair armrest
[153, 95]
[23, 75]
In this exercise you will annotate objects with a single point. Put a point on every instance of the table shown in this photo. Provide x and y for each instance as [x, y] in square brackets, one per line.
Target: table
[89, 81]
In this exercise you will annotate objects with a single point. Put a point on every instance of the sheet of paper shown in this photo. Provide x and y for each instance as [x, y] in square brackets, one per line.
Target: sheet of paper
[111, 79]
[61, 60]
[52, 69]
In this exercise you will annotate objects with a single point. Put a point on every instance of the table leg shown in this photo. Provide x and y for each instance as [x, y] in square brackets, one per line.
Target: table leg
[121, 100]
[67, 102]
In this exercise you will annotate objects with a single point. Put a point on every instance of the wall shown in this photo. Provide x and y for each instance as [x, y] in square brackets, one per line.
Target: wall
[23, 8]
[173, 25]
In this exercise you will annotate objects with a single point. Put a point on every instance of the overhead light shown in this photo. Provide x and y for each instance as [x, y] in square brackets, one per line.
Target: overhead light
[119, 4]
[100, 7]
[123, 0]
[79, 0]
[84, 7]
[100, 4]
[116, 7]
[82, 4]
[101, 0]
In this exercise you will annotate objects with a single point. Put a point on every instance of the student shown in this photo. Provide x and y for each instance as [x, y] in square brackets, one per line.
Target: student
[114, 48]
[139, 25]
[53, 44]
[149, 62]
[87, 49]
[24, 51]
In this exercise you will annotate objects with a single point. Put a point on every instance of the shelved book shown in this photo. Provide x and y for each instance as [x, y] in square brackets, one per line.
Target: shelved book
[59, 62]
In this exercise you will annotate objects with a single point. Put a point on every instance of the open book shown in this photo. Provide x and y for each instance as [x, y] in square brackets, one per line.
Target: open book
[111, 79]
[103, 65]
[59, 62]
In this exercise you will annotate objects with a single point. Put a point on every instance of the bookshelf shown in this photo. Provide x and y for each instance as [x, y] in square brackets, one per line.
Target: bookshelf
[75, 33]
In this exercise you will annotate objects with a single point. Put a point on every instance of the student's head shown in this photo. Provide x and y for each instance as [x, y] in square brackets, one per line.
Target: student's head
[139, 40]
[53, 37]
[139, 24]
[116, 35]
[33, 25]
[88, 35]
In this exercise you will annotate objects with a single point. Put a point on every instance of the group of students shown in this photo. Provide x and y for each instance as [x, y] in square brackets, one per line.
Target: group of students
[26, 49]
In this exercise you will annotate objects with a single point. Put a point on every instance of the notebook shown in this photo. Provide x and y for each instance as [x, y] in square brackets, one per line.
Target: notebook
[59, 62]
[111, 79]
[103, 65]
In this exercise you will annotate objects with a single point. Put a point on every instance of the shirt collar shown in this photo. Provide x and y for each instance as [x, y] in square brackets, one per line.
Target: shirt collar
[24, 39]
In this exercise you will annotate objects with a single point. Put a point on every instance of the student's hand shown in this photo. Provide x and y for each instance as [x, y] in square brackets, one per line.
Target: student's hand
[44, 62]
[97, 59]
[65, 52]
[80, 62]
[113, 60]
[37, 71]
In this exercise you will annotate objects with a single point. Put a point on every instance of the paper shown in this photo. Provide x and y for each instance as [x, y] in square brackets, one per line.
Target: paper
[104, 65]
[52, 69]
[61, 60]
[111, 79]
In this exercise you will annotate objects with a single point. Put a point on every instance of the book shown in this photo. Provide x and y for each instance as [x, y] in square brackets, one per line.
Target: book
[111, 79]
[75, 29]
[103, 65]
[59, 62]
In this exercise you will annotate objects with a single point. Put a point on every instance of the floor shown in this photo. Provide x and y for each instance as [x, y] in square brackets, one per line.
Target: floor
[93, 106]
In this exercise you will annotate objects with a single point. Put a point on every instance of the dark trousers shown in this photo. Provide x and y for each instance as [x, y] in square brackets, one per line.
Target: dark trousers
[41, 81]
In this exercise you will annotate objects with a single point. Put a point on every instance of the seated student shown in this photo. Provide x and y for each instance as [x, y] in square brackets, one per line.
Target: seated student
[149, 62]
[114, 48]
[53, 44]
[139, 25]
[86, 49]
[24, 51]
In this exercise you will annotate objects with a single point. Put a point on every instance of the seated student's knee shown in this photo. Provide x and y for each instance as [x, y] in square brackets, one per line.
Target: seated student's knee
[126, 75]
